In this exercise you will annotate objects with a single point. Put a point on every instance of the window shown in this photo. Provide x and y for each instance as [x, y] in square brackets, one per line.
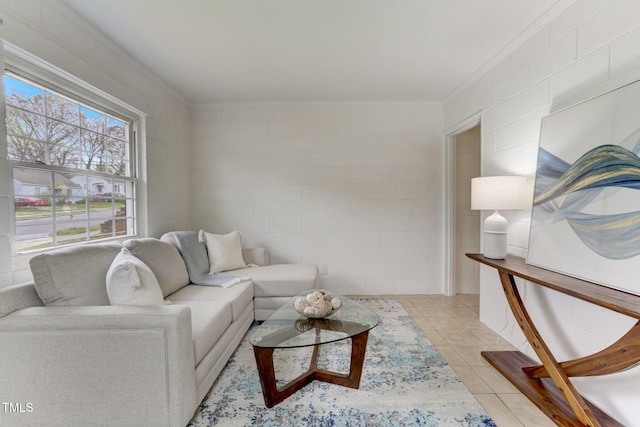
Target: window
[72, 162]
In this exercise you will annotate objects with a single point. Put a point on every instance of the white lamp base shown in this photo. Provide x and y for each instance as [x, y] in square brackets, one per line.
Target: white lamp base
[495, 236]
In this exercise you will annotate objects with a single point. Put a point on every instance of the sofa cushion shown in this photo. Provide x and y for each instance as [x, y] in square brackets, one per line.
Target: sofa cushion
[224, 250]
[17, 297]
[281, 280]
[209, 320]
[164, 260]
[74, 275]
[239, 296]
[256, 256]
[131, 282]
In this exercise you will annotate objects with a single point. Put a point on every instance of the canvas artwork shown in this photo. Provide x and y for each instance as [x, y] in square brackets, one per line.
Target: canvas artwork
[586, 210]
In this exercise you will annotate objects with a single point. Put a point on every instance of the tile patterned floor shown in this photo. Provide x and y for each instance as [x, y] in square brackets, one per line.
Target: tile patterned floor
[452, 325]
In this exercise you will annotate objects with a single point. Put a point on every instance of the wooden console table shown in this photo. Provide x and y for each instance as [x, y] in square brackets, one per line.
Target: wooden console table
[548, 385]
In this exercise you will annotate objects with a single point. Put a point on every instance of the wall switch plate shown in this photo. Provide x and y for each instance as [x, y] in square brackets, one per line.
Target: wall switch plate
[323, 269]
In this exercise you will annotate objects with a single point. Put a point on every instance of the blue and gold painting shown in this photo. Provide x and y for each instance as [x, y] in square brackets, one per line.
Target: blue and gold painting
[563, 190]
[585, 218]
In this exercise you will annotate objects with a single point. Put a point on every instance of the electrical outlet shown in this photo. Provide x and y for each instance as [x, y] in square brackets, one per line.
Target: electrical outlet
[323, 269]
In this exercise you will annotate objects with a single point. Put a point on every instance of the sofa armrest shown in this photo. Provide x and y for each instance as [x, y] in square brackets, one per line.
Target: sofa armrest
[98, 365]
[257, 256]
[17, 297]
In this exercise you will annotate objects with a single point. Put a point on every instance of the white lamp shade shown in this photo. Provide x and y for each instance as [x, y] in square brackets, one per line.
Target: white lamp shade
[499, 193]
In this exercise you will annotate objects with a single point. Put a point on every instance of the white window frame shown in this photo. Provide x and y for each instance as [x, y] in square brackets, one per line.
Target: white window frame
[21, 63]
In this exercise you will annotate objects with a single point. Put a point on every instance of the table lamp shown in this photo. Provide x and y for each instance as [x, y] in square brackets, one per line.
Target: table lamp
[497, 193]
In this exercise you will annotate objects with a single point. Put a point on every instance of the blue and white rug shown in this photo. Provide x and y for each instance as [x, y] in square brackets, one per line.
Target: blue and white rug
[405, 382]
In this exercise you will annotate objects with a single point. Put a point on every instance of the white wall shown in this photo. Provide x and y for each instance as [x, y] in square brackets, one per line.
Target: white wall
[592, 43]
[357, 187]
[50, 31]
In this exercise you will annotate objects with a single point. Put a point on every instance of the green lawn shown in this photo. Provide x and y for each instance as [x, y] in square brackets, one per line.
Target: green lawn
[67, 236]
[76, 230]
[32, 212]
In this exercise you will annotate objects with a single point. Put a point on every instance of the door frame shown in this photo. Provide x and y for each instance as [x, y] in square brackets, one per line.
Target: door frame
[450, 198]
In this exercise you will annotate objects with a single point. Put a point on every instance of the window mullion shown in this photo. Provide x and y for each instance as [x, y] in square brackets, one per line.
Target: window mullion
[88, 155]
[54, 209]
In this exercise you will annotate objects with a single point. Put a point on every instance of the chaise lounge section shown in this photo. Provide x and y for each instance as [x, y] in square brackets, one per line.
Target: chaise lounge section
[77, 360]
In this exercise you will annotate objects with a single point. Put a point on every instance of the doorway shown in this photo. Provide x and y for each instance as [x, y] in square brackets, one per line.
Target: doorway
[465, 224]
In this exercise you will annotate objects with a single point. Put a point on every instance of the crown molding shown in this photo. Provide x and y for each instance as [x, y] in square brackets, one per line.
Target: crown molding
[532, 29]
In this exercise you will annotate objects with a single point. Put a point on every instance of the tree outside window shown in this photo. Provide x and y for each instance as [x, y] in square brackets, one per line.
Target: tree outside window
[71, 167]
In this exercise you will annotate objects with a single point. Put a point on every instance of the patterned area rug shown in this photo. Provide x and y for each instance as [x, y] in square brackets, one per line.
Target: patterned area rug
[405, 382]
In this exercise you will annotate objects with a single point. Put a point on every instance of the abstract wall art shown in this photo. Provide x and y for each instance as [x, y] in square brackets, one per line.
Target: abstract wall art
[586, 210]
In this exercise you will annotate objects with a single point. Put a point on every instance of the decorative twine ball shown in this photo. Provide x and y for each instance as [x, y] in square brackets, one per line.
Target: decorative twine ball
[317, 305]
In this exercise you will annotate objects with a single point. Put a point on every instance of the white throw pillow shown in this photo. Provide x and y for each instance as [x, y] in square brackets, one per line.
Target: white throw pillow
[224, 250]
[131, 282]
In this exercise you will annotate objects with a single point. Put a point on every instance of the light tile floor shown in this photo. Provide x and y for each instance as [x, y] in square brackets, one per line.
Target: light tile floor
[452, 324]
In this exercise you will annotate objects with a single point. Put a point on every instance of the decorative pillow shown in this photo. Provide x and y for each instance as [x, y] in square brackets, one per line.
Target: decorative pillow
[224, 251]
[131, 282]
[163, 259]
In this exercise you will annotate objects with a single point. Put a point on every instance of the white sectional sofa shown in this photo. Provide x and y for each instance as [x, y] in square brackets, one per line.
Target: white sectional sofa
[69, 358]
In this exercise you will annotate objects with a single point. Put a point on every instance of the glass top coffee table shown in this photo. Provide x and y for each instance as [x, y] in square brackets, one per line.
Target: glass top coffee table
[286, 328]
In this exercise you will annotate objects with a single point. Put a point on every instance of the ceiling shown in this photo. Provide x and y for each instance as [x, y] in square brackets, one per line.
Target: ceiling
[312, 50]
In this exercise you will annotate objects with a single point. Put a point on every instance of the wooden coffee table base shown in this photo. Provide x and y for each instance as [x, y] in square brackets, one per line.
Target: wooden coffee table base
[274, 395]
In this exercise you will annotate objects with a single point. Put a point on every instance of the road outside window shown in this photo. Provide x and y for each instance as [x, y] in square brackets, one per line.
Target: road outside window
[72, 167]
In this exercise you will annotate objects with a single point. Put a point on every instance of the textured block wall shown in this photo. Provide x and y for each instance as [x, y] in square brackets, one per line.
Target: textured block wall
[590, 46]
[355, 187]
[53, 33]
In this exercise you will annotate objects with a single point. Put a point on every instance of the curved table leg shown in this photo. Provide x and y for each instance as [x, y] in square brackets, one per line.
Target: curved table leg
[274, 394]
[621, 355]
[557, 374]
